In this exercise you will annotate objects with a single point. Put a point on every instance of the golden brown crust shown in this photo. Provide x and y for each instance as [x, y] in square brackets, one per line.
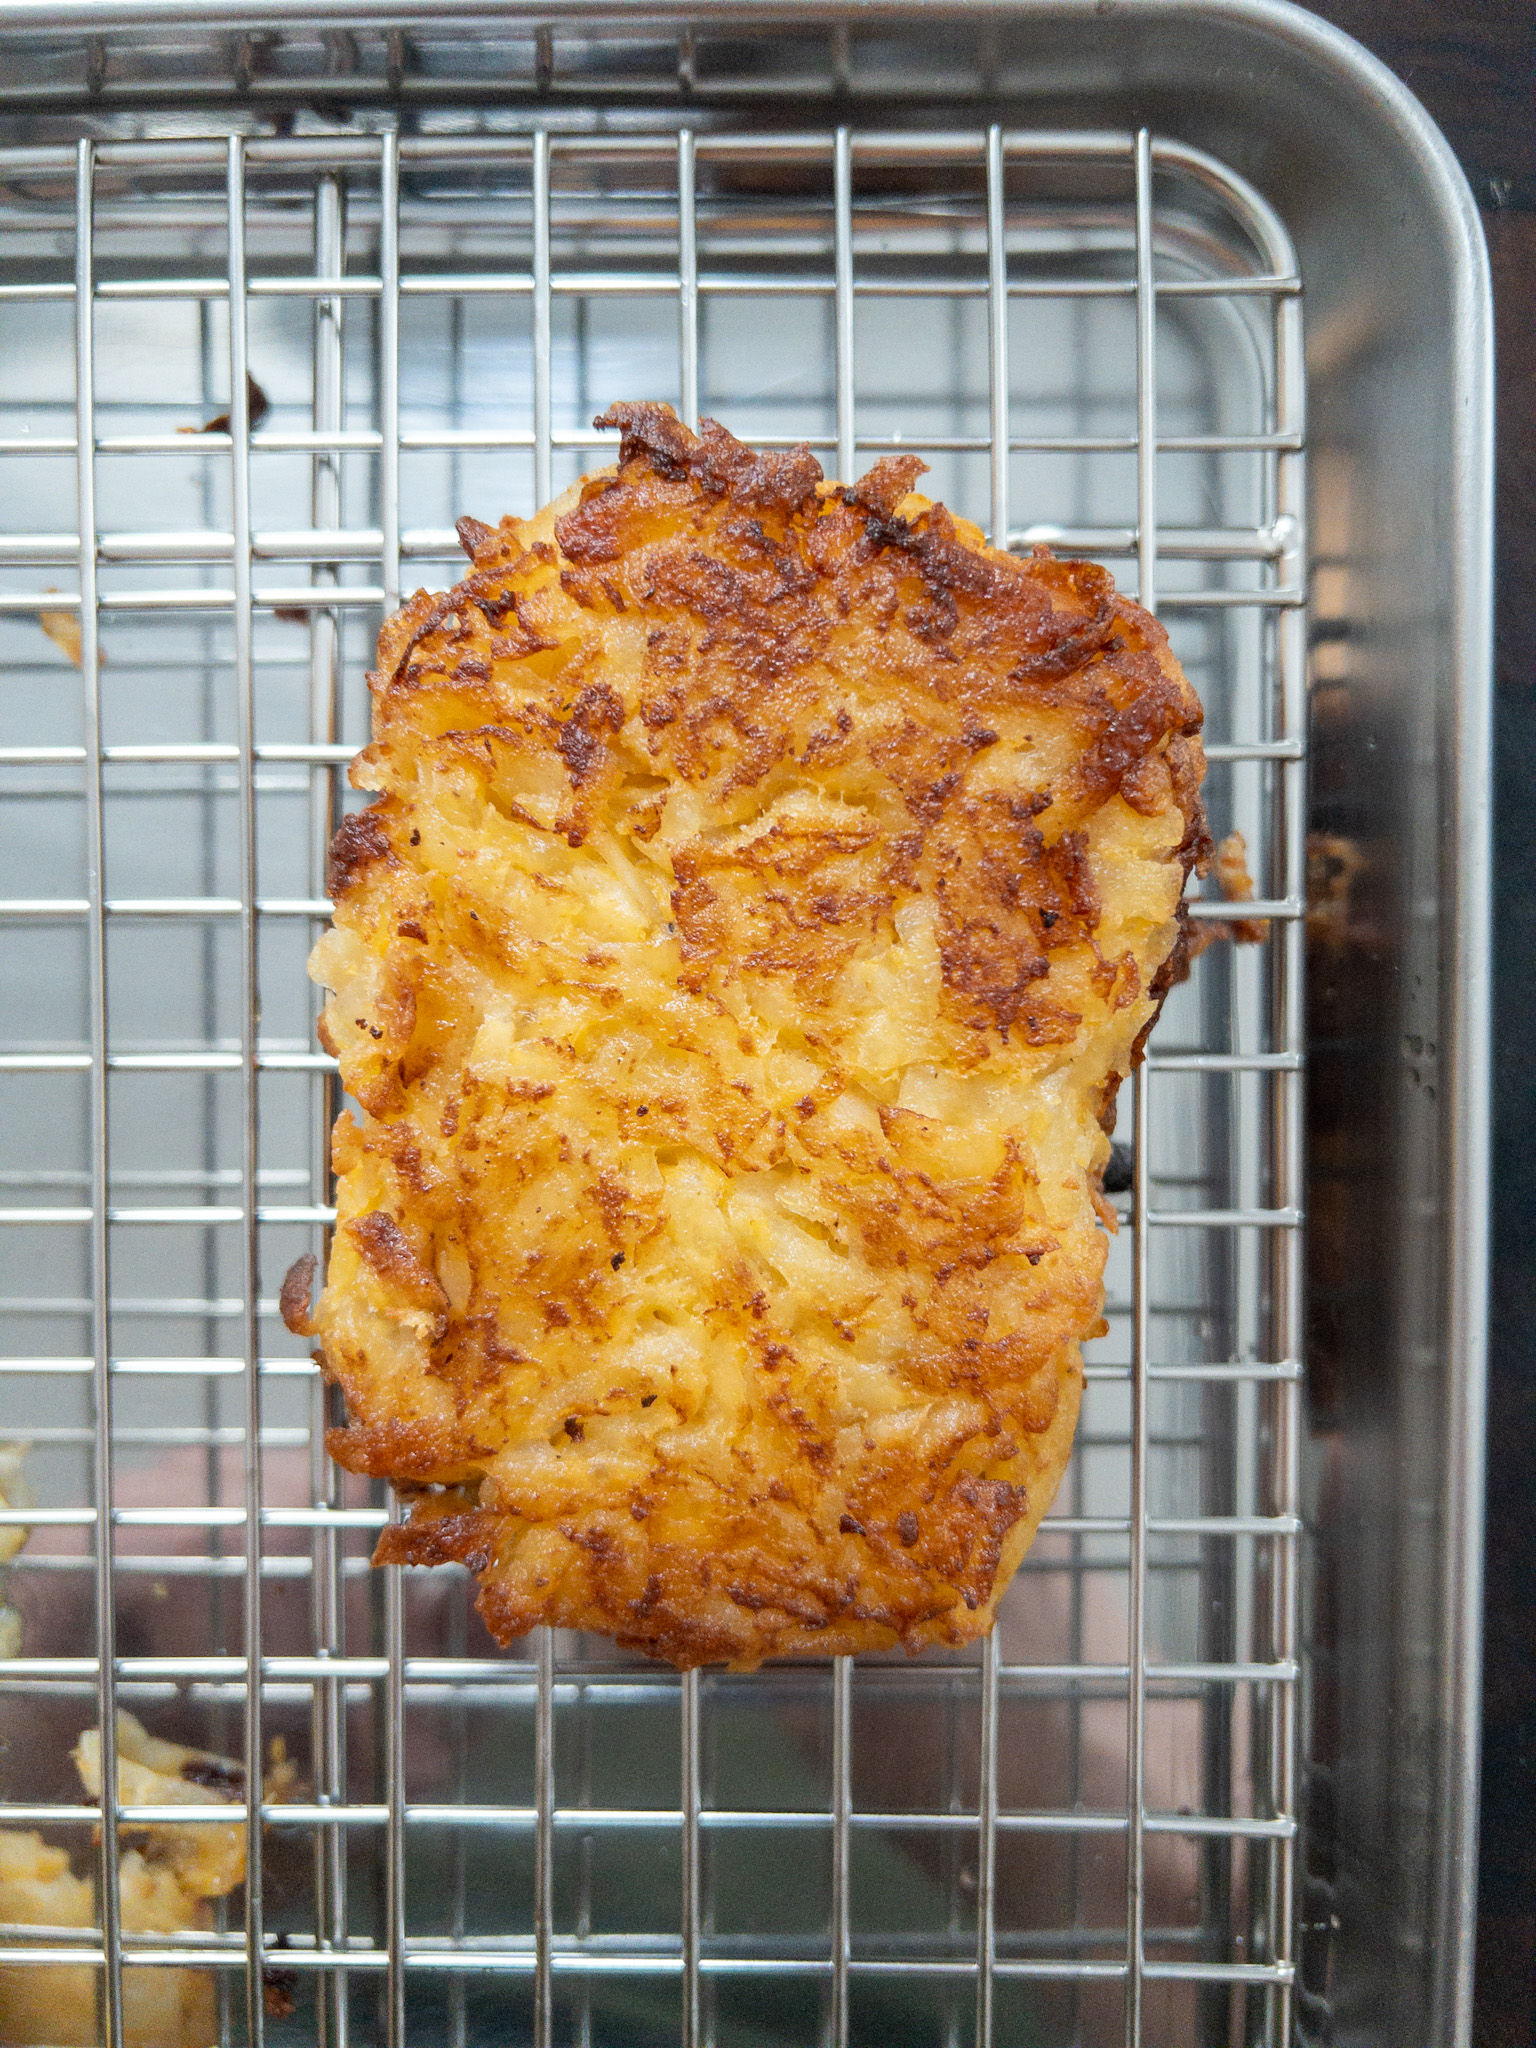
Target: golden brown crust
[767, 887]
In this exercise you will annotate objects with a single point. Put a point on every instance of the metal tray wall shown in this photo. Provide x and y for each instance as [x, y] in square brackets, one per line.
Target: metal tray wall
[1396, 323]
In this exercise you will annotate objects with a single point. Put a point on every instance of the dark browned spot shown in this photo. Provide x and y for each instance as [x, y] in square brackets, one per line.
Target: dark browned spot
[360, 839]
[596, 711]
[212, 1772]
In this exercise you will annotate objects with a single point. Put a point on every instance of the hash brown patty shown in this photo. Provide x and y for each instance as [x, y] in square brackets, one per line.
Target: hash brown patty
[767, 887]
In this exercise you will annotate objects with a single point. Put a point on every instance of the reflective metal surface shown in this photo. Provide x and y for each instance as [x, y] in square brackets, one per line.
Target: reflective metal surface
[1064, 252]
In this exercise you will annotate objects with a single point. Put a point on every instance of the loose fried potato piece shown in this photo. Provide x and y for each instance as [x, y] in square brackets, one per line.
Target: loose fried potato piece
[768, 886]
[14, 1493]
[206, 1856]
[163, 1888]
[56, 2005]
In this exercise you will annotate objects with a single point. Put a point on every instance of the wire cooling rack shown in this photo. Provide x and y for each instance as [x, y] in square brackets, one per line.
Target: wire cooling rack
[1081, 1832]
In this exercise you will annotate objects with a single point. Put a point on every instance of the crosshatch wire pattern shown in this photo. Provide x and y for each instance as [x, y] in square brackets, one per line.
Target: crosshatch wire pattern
[1082, 1831]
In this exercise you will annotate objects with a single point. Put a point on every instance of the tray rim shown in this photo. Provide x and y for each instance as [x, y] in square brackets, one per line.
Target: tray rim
[1383, 97]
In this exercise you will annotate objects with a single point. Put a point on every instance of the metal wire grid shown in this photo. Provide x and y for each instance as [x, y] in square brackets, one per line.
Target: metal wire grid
[1254, 1258]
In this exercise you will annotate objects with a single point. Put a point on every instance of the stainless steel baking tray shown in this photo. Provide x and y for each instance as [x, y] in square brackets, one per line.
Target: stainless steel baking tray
[1195, 288]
